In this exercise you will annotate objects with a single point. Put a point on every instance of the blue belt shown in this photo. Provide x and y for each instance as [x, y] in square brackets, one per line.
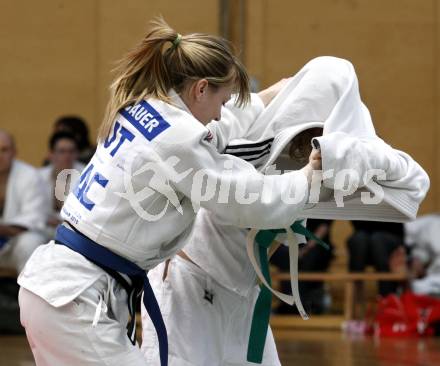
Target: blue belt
[105, 258]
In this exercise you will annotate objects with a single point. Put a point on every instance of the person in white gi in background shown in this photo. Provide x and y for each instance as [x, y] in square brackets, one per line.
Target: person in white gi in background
[22, 207]
[422, 236]
[63, 154]
[208, 291]
[74, 290]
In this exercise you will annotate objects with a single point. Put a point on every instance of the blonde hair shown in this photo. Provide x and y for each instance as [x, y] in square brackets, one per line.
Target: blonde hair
[151, 69]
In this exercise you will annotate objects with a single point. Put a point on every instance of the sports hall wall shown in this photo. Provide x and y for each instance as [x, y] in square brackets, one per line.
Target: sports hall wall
[57, 56]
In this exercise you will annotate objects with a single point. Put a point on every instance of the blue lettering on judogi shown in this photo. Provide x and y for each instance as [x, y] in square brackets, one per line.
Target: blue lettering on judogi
[124, 135]
[145, 119]
[83, 186]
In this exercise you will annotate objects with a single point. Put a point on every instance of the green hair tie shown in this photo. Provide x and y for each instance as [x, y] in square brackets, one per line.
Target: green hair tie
[177, 40]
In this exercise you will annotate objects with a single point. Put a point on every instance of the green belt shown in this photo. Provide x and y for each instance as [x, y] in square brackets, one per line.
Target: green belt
[260, 318]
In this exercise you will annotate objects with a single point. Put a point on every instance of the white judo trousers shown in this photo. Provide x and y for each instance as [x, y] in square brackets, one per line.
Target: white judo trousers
[222, 332]
[70, 329]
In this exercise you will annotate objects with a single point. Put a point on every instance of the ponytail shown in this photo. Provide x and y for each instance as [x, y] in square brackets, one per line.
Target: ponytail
[165, 59]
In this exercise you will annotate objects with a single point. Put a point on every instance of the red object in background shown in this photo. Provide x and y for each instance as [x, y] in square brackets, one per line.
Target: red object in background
[406, 316]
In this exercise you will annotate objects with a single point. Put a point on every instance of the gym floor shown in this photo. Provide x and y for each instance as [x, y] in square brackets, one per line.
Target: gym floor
[302, 348]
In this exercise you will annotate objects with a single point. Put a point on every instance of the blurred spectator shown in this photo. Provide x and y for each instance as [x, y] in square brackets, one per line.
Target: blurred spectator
[78, 128]
[373, 243]
[22, 218]
[63, 154]
[378, 244]
[422, 236]
[22, 208]
[312, 258]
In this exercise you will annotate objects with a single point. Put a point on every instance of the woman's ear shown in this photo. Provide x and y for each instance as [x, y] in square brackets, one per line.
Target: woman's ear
[200, 89]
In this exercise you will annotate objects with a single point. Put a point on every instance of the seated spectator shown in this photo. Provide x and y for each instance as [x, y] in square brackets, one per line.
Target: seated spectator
[78, 128]
[312, 258]
[374, 243]
[22, 207]
[423, 239]
[63, 154]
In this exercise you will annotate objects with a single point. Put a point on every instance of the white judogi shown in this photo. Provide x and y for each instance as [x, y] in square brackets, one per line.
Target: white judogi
[201, 332]
[390, 184]
[25, 207]
[312, 98]
[349, 141]
[172, 148]
[423, 236]
[46, 174]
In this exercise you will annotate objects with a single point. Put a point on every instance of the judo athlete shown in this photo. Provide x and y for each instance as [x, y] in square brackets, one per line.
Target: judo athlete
[208, 291]
[136, 200]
